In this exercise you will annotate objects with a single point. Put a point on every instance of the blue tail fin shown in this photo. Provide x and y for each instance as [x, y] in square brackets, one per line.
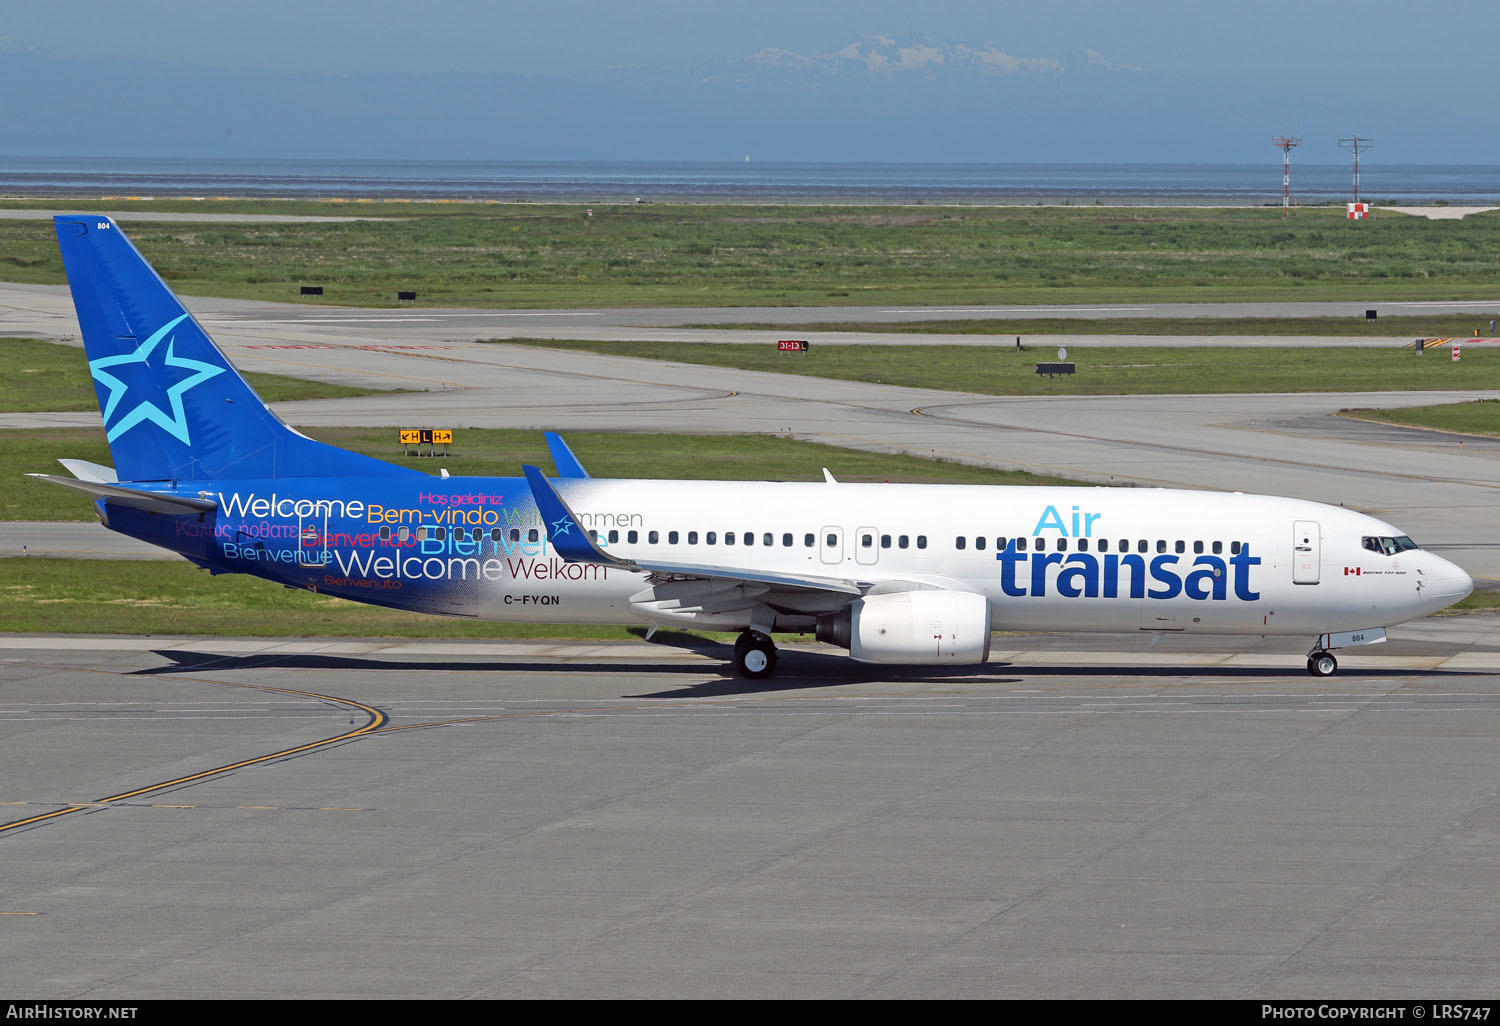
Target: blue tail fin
[174, 408]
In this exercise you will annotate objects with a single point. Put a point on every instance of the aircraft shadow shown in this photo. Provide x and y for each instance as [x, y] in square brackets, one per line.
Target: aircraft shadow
[203, 662]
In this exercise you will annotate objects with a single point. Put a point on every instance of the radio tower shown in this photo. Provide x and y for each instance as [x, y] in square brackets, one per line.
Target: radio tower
[1356, 144]
[1286, 144]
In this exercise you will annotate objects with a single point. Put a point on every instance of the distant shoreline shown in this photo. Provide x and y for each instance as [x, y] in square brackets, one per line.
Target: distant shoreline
[780, 183]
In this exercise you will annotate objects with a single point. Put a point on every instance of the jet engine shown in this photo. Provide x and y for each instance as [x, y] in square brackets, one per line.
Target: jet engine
[912, 628]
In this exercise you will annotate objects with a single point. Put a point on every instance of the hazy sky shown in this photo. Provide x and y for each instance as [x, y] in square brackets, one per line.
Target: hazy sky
[1379, 47]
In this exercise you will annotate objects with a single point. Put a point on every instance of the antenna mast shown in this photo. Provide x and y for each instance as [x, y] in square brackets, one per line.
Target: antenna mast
[1356, 144]
[1285, 144]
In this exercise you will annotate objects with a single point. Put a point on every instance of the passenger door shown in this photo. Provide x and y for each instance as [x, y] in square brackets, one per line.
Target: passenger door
[1307, 557]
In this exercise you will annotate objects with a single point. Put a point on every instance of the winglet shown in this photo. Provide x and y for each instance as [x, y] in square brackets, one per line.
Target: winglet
[567, 463]
[566, 533]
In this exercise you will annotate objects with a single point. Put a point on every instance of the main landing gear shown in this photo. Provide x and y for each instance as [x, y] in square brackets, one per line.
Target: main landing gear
[754, 655]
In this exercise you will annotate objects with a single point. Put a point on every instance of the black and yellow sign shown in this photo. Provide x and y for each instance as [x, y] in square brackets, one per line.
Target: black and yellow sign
[426, 436]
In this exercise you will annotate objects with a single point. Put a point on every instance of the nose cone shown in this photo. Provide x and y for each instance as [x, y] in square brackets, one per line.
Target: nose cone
[1446, 583]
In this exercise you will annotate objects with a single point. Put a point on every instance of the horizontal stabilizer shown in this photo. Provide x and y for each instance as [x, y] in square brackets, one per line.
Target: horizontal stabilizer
[86, 471]
[136, 498]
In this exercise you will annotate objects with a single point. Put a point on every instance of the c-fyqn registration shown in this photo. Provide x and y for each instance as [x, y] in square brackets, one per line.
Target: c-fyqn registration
[903, 574]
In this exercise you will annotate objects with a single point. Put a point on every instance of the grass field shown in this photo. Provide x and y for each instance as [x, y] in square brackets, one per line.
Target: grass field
[1004, 370]
[1479, 417]
[521, 255]
[47, 376]
[483, 452]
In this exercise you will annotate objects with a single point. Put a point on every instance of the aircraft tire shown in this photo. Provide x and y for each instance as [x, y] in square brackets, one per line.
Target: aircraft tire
[754, 656]
[1322, 664]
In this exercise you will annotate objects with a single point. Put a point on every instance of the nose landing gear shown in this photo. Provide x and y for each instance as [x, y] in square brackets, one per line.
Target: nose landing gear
[1320, 661]
[1322, 664]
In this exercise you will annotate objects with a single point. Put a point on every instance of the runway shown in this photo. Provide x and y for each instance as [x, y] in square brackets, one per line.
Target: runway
[1083, 817]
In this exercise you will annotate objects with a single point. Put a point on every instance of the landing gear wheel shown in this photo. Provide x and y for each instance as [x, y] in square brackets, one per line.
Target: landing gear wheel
[1322, 664]
[754, 656]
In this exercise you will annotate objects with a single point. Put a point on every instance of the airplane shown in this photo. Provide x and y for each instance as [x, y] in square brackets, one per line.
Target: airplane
[894, 573]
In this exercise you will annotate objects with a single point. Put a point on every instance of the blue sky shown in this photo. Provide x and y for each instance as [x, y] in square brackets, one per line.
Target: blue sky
[1375, 47]
[1415, 78]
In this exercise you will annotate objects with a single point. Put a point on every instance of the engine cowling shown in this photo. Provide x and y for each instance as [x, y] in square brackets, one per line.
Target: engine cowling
[913, 628]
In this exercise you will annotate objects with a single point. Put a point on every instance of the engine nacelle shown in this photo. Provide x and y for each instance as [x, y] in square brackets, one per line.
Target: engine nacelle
[913, 628]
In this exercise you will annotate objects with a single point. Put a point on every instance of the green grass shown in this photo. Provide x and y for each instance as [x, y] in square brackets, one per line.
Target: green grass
[1479, 417]
[515, 255]
[1437, 325]
[50, 377]
[485, 452]
[1478, 601]
[1143, 370]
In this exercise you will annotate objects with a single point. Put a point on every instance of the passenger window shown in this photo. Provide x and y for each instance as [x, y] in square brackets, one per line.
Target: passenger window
[651, 537]
[385, 532]
[1041, 544]
[831, 541]
[1161, 546]
[960, 542]
[979, 542]
[1062, 545]
[692, 538]
[921, 541]
[786, 540]
[1180, 547]
[403, 532]
[1197, 548]
[1142, 545]
[1234, 548]
[614, 537]
[767, 539]
[440, 533]
[885, 541]
[1218, 548]
[421, 534]
[901, 542]
[748, 538]
[1001, 544]
[711, 538]
[1083, 544]
[1103, 544]
[533, 535]
[594, 536]
[807, 541]
[672, 537]
[728, 538]
[1021, 544]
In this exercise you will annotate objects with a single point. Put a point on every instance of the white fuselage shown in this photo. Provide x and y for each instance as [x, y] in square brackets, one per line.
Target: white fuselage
[1086, 559]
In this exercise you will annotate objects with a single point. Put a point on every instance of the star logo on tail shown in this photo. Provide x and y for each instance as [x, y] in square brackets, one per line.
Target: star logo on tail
[144, 376]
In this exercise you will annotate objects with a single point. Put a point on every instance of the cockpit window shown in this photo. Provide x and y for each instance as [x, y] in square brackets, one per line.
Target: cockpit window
[1389, 546]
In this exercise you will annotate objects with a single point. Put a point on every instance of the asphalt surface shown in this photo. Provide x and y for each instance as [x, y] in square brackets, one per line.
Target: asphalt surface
[1083, 817]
